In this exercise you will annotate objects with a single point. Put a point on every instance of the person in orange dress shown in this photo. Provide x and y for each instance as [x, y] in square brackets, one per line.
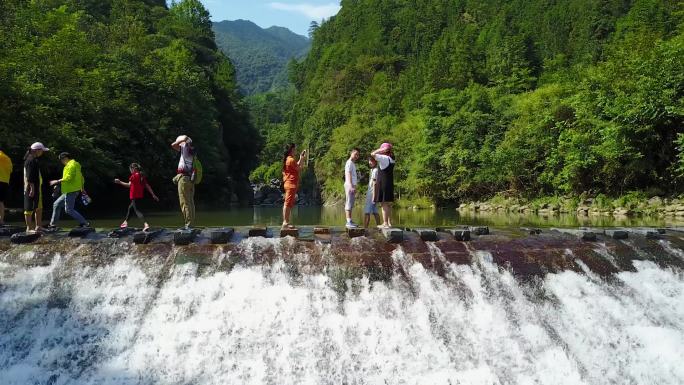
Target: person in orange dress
[290, 181]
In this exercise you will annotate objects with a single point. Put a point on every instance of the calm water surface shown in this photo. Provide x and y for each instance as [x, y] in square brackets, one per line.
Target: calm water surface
[334, 216]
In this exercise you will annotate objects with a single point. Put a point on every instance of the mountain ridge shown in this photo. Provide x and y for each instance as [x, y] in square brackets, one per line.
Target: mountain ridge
[260, 55]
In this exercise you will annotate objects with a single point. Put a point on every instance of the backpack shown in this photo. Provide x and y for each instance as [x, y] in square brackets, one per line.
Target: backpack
[197, 166]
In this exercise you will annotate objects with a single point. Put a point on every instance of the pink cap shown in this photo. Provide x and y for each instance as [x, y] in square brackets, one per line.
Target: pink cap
[386, 146]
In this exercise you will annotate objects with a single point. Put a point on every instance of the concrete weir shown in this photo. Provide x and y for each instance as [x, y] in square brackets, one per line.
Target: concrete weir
[371, 251]
[427, 235]
[338, 307]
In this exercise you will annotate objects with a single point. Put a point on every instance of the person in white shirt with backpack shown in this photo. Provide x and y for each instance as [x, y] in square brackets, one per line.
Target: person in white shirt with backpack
[187, 176]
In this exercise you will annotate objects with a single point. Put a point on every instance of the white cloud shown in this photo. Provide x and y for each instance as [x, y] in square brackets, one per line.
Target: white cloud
[314, 12]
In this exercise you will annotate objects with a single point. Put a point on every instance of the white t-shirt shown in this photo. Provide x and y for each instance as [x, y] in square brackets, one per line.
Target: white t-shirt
[383, 161]
[372, 179]
[186, 158]
[350, 167]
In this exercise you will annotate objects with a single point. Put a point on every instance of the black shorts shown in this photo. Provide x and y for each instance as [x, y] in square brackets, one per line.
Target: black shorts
[32, 204]
[4, 191]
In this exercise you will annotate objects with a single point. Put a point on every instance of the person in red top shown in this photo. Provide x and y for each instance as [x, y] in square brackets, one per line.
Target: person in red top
[137, 183]
[290, 181]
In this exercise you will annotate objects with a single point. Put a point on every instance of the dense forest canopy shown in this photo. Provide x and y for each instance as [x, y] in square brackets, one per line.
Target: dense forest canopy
[521, 97]
[114, 82]
[260, 55]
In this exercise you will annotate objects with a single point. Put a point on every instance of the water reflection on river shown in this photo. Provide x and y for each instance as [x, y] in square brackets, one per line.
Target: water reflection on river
[334, 216]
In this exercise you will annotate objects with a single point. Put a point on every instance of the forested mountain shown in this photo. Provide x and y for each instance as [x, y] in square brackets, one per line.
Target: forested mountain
[114, 82]
[522, 97]
[260, 55]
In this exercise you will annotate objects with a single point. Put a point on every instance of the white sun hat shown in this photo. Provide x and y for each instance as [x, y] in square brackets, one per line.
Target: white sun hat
[39, 146]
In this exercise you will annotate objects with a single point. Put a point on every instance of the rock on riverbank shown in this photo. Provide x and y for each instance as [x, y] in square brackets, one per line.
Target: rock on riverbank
[596, 206]
[272, 195]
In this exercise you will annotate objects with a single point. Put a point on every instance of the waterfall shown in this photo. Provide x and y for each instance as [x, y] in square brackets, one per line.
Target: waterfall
[138, 319]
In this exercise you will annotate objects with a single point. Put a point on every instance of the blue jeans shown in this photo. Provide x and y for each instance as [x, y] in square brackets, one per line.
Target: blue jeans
[70, 200]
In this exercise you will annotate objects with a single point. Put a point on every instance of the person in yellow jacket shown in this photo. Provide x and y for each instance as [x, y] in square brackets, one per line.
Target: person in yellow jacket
[72, 184]
[5, 171]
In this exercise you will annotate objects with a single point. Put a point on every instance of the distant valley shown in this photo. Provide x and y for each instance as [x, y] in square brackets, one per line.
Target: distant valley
[260, 54]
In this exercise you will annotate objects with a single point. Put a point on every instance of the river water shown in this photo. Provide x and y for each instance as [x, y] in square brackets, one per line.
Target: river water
[334, 216]
[141, 320]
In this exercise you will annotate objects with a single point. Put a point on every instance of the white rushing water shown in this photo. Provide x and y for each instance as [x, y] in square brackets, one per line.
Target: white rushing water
[125, 323]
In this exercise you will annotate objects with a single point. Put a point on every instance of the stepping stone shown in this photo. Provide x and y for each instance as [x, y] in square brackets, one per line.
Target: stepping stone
[257, 231]
[617, 234]
[185, 237]
[427, 235]
[23, 237]
[289, 233]
[393, 235]
[356, 232]
[661, 231]
[531, 231]
[653, 235]
[588, 236]
[52, 230]
[80, 232]
[461, 235]
[8, 231]
[145, 237]
[323, 238]
[479, 230]
[322, 230]
[221, 236]
[120, 233]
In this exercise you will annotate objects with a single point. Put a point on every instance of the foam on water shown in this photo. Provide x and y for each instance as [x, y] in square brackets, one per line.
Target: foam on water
[125, 324]
[667, 245]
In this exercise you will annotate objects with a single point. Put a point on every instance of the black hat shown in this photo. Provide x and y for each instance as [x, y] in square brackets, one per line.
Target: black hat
[64, 155]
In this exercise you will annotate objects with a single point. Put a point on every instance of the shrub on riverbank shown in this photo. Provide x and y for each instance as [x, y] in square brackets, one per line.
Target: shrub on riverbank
[114, 82]
[532, 97]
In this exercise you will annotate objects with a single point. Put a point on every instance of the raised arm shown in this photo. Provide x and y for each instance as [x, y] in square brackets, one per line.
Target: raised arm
[181, 139]
[121, 183]
[302, 156]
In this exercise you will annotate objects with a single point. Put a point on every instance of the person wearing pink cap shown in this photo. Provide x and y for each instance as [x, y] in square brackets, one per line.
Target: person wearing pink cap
[384, 185]
[33, 185]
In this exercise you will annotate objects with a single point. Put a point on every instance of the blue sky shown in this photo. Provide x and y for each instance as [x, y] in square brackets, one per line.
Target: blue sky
[293, 14]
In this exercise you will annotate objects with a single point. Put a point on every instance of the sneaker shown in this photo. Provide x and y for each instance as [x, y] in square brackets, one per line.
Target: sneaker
[123, 225]
[52, 227]
[82, 225]
[351, 225]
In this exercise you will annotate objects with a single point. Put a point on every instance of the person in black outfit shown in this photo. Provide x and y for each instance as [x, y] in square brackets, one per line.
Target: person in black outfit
[33, 184]
[384, 187]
